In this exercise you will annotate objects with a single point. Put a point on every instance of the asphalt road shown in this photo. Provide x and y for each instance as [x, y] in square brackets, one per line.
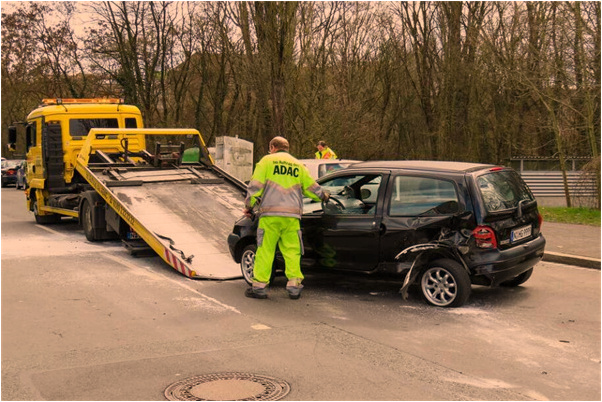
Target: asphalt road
[86, 321]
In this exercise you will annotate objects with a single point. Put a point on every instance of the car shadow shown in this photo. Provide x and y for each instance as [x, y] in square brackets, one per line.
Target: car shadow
[373, 288]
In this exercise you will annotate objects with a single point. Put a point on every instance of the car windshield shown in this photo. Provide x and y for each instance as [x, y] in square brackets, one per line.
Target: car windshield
[503, 190]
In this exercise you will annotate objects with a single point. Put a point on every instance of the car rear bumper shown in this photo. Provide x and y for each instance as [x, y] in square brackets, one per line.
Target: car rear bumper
[496, 266]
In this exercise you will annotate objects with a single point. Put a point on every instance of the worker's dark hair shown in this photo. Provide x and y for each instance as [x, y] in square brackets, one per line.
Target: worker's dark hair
[322, 143]
[280, 143]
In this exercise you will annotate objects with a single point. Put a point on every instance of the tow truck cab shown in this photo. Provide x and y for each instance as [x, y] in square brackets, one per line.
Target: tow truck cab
[54, 134]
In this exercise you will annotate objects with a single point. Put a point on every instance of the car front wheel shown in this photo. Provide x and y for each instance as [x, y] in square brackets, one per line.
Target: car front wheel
[445, 283]
[247, 262]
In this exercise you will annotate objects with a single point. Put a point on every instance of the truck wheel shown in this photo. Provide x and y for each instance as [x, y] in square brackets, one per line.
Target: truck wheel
[445, 283]
[518, 280]
[86, 217]
[247, 262]
[44, 219]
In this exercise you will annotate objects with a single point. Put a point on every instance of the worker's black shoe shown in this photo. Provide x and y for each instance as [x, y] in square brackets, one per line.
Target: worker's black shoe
[256, 293]
[294, 292]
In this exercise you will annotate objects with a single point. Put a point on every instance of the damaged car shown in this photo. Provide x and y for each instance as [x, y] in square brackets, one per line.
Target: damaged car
[443, 226]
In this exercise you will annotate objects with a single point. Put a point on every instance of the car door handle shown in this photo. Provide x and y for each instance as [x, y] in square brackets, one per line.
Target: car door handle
[383, 229]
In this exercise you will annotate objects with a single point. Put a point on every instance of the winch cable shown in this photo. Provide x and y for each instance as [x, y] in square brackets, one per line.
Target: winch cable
[171, 246]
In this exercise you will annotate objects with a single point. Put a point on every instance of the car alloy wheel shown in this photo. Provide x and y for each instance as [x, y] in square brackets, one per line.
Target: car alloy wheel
[247, 263]
[445, 283]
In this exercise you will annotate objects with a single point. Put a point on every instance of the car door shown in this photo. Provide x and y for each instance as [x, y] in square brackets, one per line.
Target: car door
[345, 236]
[417, 208]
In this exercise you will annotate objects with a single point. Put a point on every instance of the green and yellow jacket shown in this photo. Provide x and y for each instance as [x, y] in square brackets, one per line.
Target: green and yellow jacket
[281, 181]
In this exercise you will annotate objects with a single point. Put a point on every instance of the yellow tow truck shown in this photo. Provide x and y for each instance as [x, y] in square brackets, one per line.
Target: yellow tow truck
[92, 160]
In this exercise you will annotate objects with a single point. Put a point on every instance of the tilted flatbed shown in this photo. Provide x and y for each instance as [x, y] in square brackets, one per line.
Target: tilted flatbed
[183, 211]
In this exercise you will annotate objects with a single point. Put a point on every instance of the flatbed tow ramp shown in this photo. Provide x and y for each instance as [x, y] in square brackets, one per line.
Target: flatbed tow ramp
[183, 211]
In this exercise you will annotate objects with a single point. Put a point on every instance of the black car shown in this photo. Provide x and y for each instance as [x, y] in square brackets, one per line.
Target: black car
[9, 171]
[442, 225]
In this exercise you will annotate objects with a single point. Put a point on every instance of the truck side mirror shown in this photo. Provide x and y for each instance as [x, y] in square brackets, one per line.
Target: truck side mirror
[12, 137]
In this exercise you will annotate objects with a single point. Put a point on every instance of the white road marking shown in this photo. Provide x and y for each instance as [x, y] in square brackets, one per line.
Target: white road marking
[156, 276]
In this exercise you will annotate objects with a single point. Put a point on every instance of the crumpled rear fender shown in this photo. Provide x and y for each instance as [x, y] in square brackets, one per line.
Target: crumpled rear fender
[421, 254]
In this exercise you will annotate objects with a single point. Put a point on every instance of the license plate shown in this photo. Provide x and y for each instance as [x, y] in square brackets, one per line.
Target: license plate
[131, 235]
[520, 233]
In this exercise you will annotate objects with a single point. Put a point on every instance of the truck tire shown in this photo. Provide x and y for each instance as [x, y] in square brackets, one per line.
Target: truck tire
[87, 219]
[445, 283]
[44, 219]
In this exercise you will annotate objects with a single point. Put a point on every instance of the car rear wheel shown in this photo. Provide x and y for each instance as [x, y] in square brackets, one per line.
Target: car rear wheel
[518, 280]
[445, 283]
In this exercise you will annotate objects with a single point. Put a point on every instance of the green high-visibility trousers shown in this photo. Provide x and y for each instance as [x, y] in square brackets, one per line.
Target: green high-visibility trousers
[285, 233]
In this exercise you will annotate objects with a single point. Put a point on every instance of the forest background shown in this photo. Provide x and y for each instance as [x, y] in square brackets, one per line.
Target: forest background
[465, 81]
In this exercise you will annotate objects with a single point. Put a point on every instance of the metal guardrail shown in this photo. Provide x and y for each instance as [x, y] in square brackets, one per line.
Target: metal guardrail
[550, 183]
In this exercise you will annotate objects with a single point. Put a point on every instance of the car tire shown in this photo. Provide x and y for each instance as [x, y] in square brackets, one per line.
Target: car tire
[44, 219]
[247, 262]
[518, 280]
[445, 283]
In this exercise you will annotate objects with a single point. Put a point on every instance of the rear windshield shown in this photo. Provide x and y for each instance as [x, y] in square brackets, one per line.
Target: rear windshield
[81, 127]
[503, 190]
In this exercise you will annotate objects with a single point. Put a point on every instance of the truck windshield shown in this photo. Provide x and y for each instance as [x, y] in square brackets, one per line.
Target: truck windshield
[81, 127]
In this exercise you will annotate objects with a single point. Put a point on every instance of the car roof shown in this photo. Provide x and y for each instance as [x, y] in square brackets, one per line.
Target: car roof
[322, 161]
[431, 166]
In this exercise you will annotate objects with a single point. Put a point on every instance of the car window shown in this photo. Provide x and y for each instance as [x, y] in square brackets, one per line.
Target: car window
[502, 190]
[357, 195]
[413, 196]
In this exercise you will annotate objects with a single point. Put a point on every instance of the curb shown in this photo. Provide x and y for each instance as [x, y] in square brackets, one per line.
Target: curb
[568, 259]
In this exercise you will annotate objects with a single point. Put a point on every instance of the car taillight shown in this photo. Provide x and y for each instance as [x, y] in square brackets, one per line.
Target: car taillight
[484, 237]
[540, 221]
[10, 171]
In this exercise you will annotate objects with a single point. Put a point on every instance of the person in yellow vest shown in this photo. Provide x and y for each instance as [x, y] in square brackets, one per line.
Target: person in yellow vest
[324, 152]
[280, 181]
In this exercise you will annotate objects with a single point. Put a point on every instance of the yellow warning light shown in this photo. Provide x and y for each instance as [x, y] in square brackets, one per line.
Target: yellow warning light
[62, 101]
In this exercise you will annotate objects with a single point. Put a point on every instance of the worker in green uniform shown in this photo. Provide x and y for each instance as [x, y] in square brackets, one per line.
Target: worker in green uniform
[280, 181]
[324, 152]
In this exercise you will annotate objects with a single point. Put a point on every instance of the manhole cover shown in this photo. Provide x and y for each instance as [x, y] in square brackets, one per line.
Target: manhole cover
[228, 387]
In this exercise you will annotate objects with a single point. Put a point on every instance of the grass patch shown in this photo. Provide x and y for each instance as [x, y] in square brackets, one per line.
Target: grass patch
[580, 216]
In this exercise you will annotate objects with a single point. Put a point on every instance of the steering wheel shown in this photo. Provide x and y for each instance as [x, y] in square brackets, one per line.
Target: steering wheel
[338, 204]
[348, 192]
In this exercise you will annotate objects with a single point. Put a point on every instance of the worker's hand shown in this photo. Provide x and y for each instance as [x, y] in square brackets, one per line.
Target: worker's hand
[247, 212]
[326, 195]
